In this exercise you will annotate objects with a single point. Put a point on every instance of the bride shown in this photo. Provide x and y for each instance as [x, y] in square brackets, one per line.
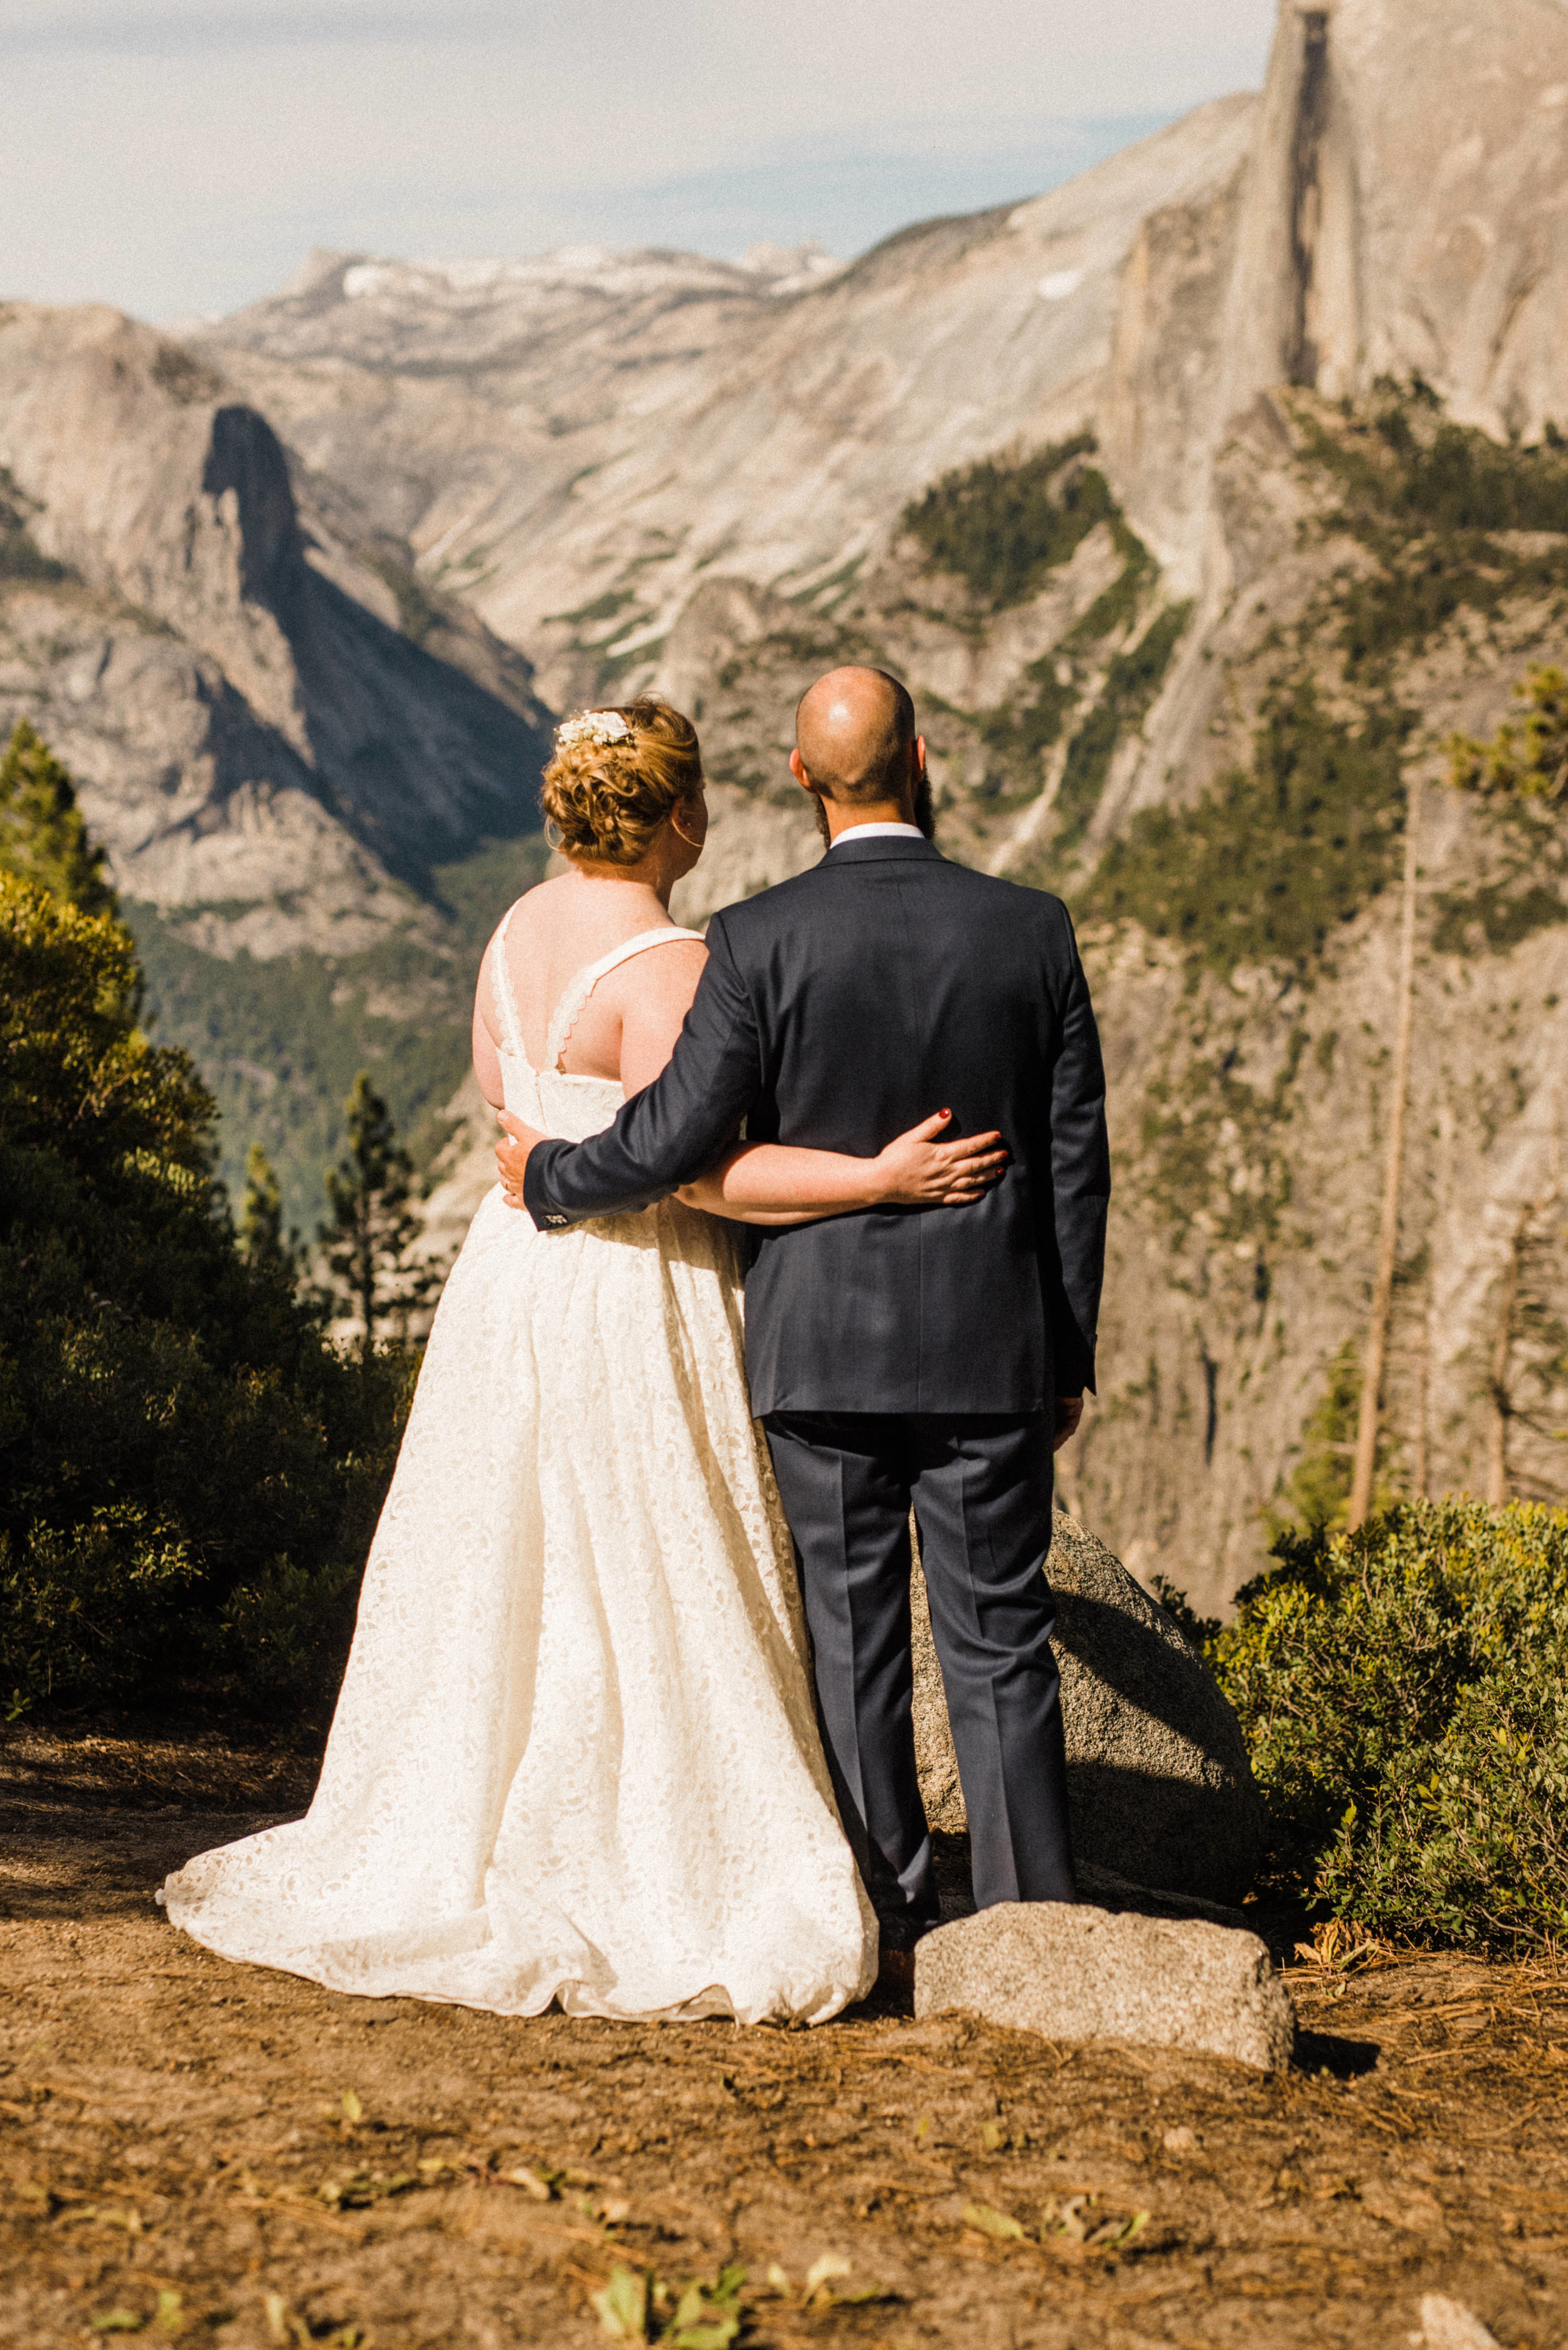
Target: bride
[575, 1757]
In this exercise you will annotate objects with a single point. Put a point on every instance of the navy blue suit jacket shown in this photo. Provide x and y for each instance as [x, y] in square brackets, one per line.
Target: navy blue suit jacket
[835, 1012]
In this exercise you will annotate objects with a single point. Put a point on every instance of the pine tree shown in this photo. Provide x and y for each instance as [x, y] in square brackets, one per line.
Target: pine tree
[1523, 761]
[188, 1473]
[43, 837]
[371, 1233]
[1318, 1494]
[262, 1240]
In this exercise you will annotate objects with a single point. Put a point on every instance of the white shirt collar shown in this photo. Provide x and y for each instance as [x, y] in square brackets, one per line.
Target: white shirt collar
[879, 832]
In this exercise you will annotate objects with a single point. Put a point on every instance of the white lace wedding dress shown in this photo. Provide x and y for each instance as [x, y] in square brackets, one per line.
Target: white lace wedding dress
[575, 1757]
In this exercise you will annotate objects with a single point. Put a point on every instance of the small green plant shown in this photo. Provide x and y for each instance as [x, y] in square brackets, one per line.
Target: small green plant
[1525, 762]
[1403, 1690]
[1504, 916]
[1315, 1499]
[1198, 1629]
[637, 2306]
[263, 1241]
[1075, 2222]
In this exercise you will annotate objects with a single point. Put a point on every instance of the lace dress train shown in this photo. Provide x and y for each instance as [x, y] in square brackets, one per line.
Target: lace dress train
[574, 1756]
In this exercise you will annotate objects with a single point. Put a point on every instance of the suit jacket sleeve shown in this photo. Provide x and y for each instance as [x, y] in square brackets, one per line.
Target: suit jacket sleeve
[1080, 1182]
[676, 1128]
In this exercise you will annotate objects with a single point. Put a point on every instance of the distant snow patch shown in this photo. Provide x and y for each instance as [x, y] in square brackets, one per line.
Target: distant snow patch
[1060, 283]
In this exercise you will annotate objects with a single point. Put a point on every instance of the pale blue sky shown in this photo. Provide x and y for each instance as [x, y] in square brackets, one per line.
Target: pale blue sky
[182, 155]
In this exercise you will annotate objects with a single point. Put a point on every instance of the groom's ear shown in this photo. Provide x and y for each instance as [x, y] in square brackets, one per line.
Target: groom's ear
[798, 771]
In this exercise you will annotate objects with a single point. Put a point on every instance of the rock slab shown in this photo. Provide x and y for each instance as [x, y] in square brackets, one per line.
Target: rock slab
[1160, 1790]
[1073, 1972]
[1448, 2326]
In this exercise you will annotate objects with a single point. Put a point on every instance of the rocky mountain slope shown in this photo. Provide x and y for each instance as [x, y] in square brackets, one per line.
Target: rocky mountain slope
[1200, 500]
[281, 734]
[325, 754]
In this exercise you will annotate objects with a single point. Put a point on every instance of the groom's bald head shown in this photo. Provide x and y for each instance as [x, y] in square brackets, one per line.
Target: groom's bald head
[853, 732]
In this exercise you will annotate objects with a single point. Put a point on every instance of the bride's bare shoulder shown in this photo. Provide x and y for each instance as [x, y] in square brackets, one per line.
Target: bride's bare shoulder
[650, 995]
[538, 910]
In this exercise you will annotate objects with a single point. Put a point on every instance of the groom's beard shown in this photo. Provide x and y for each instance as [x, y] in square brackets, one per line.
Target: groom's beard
[925, 812]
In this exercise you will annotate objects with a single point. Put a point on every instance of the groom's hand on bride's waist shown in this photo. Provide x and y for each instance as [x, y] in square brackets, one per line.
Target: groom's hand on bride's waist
[512, 1156]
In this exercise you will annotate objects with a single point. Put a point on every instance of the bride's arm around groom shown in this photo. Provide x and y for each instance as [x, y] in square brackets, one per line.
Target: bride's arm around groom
[884, 987]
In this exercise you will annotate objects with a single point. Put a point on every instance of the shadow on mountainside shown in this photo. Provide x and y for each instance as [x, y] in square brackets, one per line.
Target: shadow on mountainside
[410, 750]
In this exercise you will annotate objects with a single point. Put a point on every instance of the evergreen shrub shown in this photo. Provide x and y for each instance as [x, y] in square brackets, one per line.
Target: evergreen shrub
[181, 1451]
[1404, 1692]
[42, 835]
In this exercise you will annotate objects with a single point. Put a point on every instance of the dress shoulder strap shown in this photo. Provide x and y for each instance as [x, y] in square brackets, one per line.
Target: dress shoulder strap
[582, 983]
[501, 981]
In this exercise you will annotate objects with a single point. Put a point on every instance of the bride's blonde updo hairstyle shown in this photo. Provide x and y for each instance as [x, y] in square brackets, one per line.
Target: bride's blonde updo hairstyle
[616, 777]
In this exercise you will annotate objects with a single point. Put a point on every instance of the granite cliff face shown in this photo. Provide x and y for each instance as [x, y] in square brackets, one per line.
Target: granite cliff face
[1200, 500]
[579, 445]
[260, 743]
[576, 444]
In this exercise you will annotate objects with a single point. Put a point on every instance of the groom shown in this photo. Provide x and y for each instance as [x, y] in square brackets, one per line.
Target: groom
[895, 1355]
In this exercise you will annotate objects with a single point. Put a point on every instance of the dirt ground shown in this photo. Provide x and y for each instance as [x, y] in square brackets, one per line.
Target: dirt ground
[187, 2146]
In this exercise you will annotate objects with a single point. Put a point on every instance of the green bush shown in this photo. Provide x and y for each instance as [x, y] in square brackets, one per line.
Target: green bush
[1404, 1692]
[174, 1426]
[1504, 916]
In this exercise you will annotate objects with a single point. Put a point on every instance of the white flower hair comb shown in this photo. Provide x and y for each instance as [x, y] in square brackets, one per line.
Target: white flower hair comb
[601, 727]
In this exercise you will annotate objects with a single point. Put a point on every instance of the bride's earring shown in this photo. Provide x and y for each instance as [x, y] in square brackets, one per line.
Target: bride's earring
[554, 836]
[686, 837]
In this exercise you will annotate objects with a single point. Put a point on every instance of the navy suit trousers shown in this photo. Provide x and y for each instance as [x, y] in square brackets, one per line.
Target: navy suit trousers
[980, 1490]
